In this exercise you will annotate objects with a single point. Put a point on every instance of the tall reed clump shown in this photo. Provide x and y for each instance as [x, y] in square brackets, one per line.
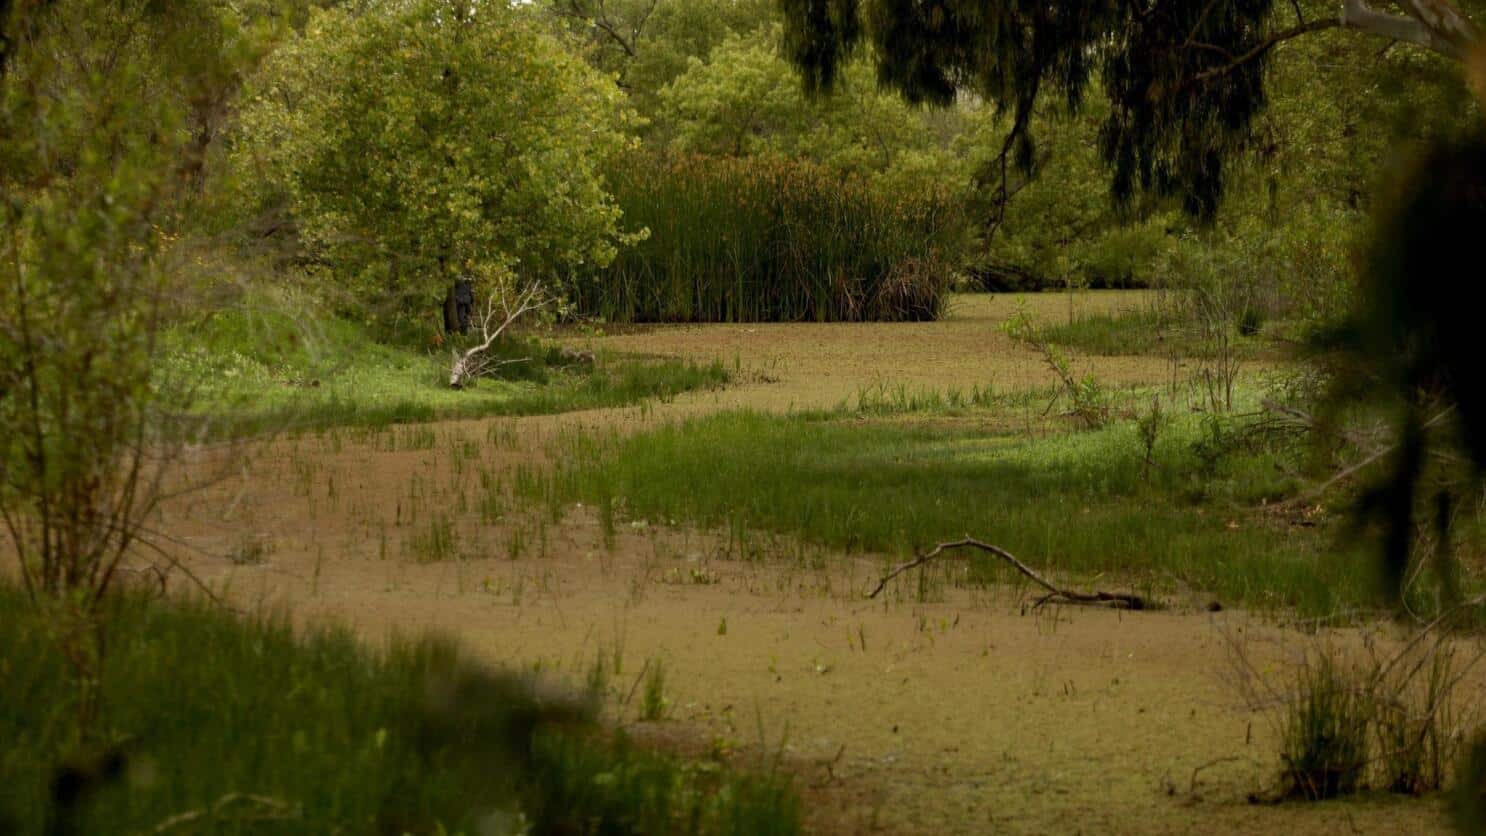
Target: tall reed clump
[734, 240]
[1394, 720]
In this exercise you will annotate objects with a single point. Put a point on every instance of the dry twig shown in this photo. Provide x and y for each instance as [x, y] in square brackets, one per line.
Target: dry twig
[1347, 473]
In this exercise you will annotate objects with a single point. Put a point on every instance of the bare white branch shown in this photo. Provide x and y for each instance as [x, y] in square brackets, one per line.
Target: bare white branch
[1433, 24]
[502, 309]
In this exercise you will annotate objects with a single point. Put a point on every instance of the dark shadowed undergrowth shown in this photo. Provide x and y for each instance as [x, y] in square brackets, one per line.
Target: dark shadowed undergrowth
[772, 240]
[228, 724]
[1081, 503]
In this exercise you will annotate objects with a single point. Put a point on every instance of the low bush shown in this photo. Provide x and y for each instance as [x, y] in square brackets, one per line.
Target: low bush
[734, 240]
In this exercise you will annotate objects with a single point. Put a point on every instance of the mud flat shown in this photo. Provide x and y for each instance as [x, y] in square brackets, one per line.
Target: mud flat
[935, 709]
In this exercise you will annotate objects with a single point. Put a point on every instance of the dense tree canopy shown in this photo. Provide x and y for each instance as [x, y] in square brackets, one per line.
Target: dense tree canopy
[1185, 79]
[475, 146]
[741, 99]
[646, 44]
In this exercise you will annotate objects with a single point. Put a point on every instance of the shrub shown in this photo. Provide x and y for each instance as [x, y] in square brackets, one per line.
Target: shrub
[96, 162]
[1300, 271]
[767, 240]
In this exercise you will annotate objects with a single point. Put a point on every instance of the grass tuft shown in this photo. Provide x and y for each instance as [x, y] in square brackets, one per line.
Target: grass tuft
[1325, 733]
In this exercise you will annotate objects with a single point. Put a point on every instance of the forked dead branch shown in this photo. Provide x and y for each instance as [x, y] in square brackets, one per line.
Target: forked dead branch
[476, 360]
[1054, 593]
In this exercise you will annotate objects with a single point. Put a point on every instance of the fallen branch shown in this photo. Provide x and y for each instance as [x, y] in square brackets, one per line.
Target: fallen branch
[1054, 593]
[475, 362]
[257, 808]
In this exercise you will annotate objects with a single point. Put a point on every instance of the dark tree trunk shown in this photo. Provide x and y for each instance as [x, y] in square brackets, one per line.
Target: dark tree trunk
[459, 305]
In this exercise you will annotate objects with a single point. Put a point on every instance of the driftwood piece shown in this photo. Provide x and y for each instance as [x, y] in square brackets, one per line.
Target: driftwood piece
[1054, 593]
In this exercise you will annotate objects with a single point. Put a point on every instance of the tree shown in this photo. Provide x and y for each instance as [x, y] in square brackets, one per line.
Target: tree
[474, 148]
[646, 44]
[1185, 79]
[740, 101]
[98, 172]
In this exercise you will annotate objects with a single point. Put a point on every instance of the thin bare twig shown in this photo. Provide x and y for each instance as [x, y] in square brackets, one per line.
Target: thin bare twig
[1054, 593]
[1192, 785]
[1316, 492]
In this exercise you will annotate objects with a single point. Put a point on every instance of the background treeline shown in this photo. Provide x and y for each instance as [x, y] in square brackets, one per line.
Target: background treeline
[380, 172]
[707, 77]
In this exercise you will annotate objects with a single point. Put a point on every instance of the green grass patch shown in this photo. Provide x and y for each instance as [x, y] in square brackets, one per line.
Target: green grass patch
[264, 370]
[1079, 503]
[1134, 332]
[315, 733]
[1142, 332]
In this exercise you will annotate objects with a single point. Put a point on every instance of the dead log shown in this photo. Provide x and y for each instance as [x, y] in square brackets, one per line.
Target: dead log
[1054, 593]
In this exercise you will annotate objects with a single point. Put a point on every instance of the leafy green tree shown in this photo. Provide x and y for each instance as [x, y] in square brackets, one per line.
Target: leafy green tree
[743, 100]
[646, 44]
[99, 168]
[415, 143]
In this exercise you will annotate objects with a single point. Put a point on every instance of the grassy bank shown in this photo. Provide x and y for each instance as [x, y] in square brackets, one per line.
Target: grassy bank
[1155, 332]
[265, 370]
[1078, 503]
[1131, 332]
[223, 724]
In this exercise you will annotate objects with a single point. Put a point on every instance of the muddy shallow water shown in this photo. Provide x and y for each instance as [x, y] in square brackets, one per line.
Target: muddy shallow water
[812, 365]
[956, 711]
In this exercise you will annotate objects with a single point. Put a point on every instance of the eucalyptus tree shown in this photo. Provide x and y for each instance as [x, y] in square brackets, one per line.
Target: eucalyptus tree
[1184, 79]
